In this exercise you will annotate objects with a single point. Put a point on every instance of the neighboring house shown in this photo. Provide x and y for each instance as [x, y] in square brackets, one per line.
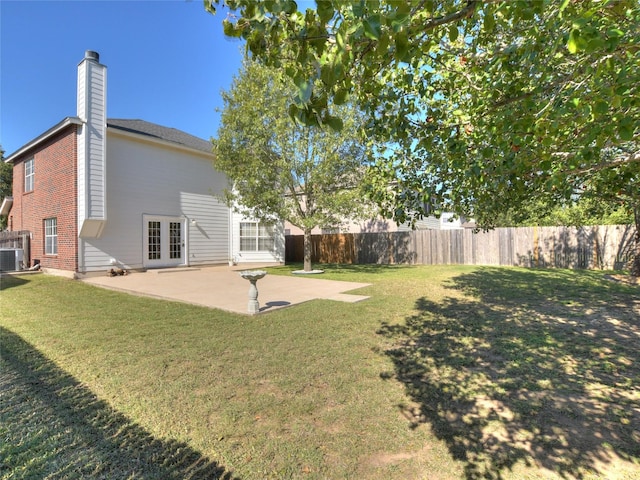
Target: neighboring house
[447, 221]
[95, 193]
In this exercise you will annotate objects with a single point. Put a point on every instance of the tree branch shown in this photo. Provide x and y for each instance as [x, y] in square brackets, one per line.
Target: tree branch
[631, 158]
[465, 12]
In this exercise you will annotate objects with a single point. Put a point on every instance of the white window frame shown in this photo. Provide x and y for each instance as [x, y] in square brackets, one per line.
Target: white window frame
[29, 174]
[260, 234]
[51, 236]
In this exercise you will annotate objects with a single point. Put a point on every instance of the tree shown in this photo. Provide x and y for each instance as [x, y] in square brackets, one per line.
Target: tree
[581, 212]
[6, 184]
[482, 104]
[281, 169]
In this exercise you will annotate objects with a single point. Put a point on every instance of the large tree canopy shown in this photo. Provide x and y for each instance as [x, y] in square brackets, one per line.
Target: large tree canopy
[310, 176]
[6, 184]
[480, 104]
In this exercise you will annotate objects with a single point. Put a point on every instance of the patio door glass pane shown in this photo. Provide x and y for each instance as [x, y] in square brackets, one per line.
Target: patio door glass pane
[154, 240]
[175, 240]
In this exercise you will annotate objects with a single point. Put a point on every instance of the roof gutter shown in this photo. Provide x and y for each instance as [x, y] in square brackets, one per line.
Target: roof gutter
[43, 137]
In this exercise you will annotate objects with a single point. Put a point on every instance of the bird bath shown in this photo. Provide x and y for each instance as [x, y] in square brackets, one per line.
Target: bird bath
[253, 276]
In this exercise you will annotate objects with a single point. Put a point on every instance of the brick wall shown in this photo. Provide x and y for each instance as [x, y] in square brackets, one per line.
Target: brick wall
[54, 196]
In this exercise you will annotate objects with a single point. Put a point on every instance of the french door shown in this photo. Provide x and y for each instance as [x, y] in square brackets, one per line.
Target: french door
[164, 241]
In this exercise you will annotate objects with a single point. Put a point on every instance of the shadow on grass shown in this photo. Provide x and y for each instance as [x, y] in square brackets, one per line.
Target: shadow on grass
[343, 268]
[54, 427]
[538, 367]
[9, 281]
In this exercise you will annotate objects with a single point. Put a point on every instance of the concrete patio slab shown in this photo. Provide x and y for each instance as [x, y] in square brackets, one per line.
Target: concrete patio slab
[222, 287]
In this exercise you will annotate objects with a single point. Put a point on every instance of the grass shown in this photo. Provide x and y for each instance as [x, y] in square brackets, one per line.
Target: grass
[444, 373]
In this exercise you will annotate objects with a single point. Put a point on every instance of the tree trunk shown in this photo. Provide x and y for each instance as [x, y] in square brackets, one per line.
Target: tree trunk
[307, 249]
[635, 262]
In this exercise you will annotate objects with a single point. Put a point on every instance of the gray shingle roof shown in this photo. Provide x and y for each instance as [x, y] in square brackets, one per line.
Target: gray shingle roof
[167, 134]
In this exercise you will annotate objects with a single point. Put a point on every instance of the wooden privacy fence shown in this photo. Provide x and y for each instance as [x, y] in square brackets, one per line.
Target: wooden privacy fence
[19, 239]
[607, 247]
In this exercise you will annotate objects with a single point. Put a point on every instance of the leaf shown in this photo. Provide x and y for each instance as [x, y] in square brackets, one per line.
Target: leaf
[526, 13]
[358, 8]
[616, 101]
[402, 45]
[400, 20]
[601, 107]
[305, 88]
[230, 29]
[572, 44]
[429, 6]
[383, 46]
[308, 117]
[578, 23]
[372, 27]
[335, 123]
[615, 33]
[325, 10]
[545, 165]
[290, 7]
[341, 96]
[327, 74]
[453, 32]
[595, 44]
[489, 22]
[625, 129]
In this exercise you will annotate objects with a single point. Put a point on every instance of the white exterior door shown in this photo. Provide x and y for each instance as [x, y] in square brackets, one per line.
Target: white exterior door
[164, 241]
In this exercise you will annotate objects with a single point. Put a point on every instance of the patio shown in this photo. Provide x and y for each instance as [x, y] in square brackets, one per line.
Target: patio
[222, 287]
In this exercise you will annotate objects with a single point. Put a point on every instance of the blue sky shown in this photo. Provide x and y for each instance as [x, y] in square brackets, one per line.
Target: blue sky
[167, 62]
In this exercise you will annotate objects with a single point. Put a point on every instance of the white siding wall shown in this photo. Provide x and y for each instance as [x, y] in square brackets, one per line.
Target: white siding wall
[256, 257]
[430, 223]
[91, 143]
[96, 146]
[209, 235]
[449, 222]
[151, 179]
[82, 153]
[374, 225]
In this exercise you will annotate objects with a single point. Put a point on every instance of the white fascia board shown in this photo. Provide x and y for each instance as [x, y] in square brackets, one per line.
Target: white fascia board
[43, 137]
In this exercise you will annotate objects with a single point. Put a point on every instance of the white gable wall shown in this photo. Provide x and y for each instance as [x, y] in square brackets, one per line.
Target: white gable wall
[146, 178]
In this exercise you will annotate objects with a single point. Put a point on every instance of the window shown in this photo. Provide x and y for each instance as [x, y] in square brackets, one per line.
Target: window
[28, 175]
[51, 236]
[256, 237]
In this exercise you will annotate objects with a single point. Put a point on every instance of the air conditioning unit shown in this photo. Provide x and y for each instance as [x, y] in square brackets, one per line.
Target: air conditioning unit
[11, 259]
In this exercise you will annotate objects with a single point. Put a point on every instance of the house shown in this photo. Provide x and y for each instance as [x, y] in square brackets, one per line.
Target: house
[94, 193]
[446, 221]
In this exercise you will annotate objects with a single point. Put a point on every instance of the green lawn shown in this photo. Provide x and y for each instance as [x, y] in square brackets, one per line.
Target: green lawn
[444, 373]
